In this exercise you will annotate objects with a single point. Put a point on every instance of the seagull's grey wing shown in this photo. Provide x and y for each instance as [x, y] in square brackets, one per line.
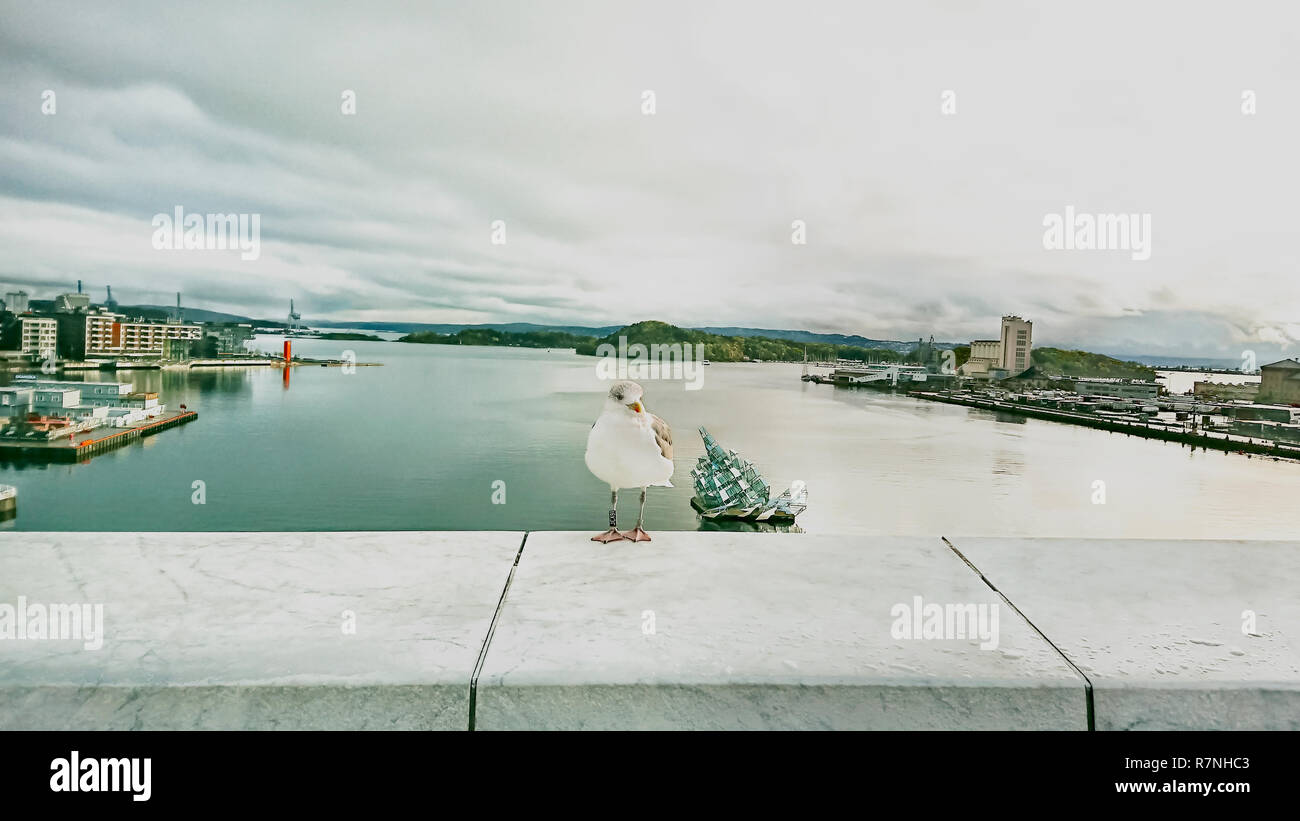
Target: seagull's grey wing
[663, 435]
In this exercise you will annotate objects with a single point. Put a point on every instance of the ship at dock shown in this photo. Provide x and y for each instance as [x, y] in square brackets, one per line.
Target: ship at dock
[729, 488]
[883, 375]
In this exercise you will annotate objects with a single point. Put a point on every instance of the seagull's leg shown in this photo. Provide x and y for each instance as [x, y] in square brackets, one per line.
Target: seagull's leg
[611, 535]
[637, 534]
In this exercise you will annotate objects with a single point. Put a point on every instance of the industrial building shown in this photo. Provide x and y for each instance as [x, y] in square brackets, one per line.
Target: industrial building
[1017, 343]
[1009, 355]
[1279, 382]
[985, 356]
[228, 338]
[1245, 392]
[16, 302]
[1118, 388]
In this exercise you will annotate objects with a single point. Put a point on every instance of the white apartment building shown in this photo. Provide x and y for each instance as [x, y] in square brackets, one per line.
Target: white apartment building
[38, 335]
[108, 333]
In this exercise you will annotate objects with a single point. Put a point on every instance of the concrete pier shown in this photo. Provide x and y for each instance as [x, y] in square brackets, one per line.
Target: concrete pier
[506, 630]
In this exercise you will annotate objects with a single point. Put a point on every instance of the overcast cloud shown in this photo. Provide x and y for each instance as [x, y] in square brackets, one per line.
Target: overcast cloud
[917, 222]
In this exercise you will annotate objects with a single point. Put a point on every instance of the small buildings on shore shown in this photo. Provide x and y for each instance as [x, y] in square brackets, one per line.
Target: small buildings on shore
[48, 409]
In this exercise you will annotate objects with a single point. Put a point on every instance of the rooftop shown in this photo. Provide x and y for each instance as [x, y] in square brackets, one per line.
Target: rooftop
[703, 630]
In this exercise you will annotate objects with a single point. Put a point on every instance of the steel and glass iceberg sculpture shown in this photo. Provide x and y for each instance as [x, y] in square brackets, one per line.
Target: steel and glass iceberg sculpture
[727, 486]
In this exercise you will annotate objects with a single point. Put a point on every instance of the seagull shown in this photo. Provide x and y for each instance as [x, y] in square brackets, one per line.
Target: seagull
[629, 447]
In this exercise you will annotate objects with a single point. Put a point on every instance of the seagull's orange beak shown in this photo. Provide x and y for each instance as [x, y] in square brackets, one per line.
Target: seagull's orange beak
[636, 407]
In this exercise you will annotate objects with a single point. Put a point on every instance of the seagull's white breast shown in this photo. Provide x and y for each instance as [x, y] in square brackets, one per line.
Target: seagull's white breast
[622, 451]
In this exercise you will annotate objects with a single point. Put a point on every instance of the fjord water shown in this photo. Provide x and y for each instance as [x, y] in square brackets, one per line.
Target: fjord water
[421, 442]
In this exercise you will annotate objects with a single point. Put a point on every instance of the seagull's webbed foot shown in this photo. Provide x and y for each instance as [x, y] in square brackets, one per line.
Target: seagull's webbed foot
[611, 535]
[636, 534]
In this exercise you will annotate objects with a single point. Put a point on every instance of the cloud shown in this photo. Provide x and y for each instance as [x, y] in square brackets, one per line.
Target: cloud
[917, 222]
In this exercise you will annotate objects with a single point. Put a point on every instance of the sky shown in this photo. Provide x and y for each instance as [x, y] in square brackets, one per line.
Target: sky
[921, 147]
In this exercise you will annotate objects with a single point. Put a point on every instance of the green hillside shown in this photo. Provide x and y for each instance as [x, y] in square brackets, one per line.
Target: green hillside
[717, 348]
[1057, 362]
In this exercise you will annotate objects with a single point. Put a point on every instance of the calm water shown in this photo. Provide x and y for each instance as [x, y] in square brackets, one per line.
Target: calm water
[418, 443]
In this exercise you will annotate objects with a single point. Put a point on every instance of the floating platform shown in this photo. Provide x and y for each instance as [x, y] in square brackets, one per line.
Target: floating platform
[65, 450]
[736, 514]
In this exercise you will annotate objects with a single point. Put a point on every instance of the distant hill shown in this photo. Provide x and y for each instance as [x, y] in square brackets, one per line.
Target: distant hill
[491, 336]
[1054, 361]
[154, 312]
[717, 348]
[190, 314]
[852, 340]
[452, 328]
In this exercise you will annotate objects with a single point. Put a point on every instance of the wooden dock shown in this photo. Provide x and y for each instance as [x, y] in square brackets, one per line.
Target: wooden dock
[68, 451]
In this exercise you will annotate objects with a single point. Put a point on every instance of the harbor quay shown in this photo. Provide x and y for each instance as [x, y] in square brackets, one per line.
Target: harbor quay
[1226, 427]
[500, 630]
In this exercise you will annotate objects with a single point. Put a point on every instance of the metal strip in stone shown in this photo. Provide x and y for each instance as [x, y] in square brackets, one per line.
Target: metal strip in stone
[1173, 634]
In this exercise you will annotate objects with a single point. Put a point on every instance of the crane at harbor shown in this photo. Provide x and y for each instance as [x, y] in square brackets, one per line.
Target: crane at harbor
[295, 318]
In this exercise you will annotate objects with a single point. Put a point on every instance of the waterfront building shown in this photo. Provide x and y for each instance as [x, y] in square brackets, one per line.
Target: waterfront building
[985, 355]
[228, 338]
[101, 332]
[1017, 344]
[16, 400]
[1120, 388]
[1222, 391]
[50, 400]
[1268, 413]
[105, 395]
[1007, 356]
[1279, 382]
[37, 335]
